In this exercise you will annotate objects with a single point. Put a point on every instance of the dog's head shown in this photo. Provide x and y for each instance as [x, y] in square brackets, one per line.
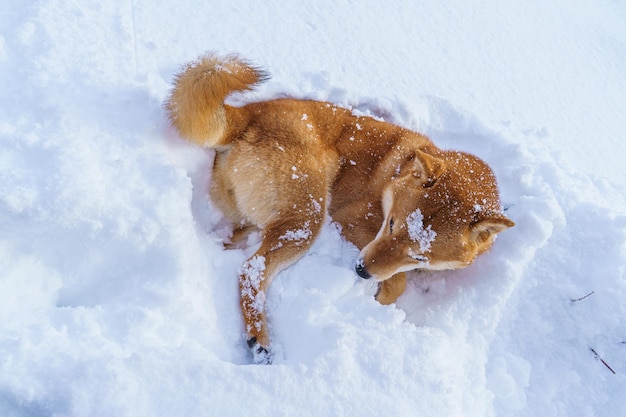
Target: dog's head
[441, 210]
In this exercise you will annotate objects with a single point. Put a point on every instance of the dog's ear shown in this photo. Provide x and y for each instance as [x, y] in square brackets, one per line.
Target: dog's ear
[422, 168]
[483, 229]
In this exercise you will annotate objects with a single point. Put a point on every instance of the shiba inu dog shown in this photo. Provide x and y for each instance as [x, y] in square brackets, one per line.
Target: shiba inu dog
[283, 165]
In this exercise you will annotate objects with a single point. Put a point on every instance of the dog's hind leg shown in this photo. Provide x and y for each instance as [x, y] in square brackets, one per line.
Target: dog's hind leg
[284, 242]
[240, 236]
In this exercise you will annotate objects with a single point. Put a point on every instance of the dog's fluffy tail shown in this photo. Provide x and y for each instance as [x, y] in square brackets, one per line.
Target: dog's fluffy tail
[195, 105]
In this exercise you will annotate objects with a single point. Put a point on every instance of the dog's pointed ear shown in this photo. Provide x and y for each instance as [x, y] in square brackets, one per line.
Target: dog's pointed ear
[483, 229]
[422, 168]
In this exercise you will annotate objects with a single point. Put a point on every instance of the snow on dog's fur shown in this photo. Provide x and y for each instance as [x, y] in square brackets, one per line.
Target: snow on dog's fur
[282, 165]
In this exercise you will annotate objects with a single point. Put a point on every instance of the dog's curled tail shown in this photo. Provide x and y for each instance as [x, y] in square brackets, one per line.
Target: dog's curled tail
[195, 105]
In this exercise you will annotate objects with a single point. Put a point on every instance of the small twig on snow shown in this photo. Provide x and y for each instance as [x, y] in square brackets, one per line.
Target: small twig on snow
[602, 360]
[581, 298]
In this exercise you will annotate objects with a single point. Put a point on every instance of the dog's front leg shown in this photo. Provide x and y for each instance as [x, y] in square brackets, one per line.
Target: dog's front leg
[283, 244]
[392, 288]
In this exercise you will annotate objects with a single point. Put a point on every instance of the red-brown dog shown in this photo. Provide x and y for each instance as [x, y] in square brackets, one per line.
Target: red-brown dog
[282, 165]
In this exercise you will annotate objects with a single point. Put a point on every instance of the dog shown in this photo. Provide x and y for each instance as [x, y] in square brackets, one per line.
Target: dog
[282, 166]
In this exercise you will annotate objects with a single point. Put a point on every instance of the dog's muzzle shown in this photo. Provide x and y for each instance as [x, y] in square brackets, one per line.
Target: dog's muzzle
[360, 269]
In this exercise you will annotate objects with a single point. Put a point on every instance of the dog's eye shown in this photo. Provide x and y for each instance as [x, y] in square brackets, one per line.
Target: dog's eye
[429, 183]
[417, 256]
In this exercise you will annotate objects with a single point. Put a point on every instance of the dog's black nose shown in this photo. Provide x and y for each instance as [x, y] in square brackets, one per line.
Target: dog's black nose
[361, 271]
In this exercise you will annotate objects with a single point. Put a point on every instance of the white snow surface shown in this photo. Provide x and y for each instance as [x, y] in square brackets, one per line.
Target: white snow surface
[117, 298]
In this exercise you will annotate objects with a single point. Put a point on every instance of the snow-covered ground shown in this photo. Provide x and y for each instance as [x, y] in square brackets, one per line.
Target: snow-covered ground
[117, 299]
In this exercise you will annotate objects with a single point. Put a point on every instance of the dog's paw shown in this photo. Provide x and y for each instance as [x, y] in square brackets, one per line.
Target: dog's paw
[260, 355]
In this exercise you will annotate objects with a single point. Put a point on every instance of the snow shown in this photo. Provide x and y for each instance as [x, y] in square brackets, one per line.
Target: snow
[302, 234]
[117, 298]
[424, 236]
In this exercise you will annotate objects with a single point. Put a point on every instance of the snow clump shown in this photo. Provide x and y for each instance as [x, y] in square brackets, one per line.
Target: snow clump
[417, 232]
